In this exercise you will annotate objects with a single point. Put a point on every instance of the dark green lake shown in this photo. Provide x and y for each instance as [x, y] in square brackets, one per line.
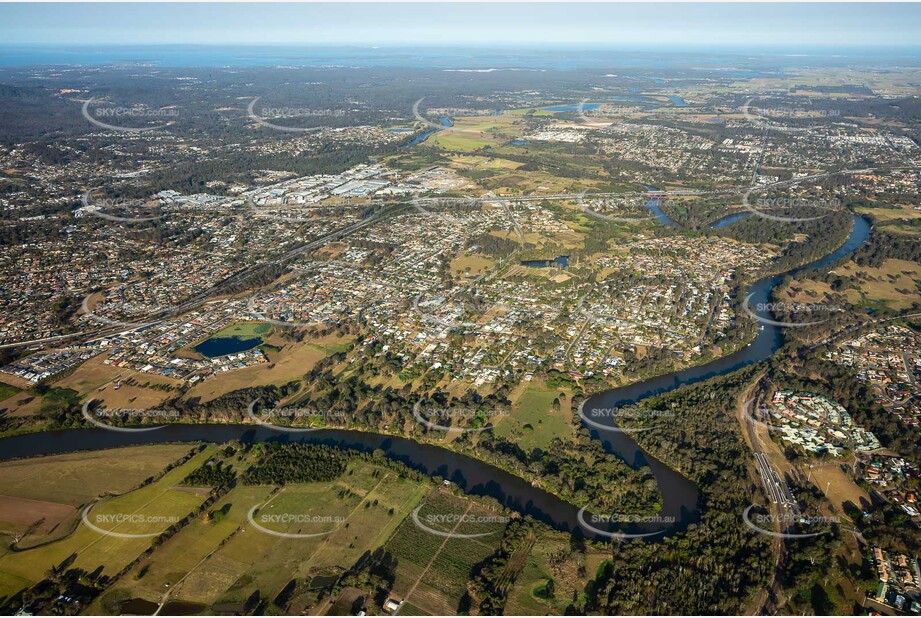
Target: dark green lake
[221, 346]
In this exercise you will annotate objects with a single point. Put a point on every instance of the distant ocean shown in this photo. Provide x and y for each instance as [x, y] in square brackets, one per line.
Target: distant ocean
[748, 63]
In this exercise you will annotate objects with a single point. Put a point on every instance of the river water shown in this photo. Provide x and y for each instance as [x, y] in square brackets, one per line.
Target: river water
[680, 496]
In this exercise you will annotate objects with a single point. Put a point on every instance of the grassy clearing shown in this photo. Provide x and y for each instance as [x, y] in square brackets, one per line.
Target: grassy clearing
[38, 518]
[534, 422]
[79, 478]
[894, 283]
[332, 345]
[291, 362]
[472, 162]
[7, 391]
[183, 552]
[528, 111]
[892, 214]
[93, 379]
[147, 507]
[471, 265]
[243, 330]
[475, 132]
[527, 595]
[372, 501]
[408, 609]
[840, 487]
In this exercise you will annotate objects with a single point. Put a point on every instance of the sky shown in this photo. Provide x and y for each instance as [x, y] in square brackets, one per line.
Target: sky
[641, 25]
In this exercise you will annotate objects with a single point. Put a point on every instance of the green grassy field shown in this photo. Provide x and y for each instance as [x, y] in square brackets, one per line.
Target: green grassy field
[182, 553]
[333, 347]
[223, 557]
[78, 478]
[7, 391]
[408, 609]
[227, 559]
[152, 503]
[533, 422]
[474, 132]
[523, 597]
[243, 330]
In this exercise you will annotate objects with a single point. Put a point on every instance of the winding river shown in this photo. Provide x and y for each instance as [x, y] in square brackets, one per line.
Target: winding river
[680, 496]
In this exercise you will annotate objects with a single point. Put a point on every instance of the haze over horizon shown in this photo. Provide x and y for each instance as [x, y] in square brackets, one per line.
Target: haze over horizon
[789, 27]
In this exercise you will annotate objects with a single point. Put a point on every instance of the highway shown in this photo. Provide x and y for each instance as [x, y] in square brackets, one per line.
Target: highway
[777, 489]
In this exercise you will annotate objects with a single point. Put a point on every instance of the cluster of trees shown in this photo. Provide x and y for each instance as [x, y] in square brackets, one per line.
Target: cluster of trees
[60, 406]
[64, 591]
[279, 463]
[885, 246]
[493, 245]
[493, 577]
[887, 526]
[231, 407]
[823, 236]
[712, 566]
[560, 469]
[374, 573]
[212, 474]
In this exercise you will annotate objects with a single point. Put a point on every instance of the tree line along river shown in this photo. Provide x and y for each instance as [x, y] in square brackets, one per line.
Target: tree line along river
[680, 496]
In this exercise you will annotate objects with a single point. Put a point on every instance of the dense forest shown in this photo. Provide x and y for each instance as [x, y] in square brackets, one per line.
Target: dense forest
[714, 565]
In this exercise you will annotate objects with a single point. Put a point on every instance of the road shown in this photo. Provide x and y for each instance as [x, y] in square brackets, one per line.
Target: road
[216, 290]
[766, 598]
